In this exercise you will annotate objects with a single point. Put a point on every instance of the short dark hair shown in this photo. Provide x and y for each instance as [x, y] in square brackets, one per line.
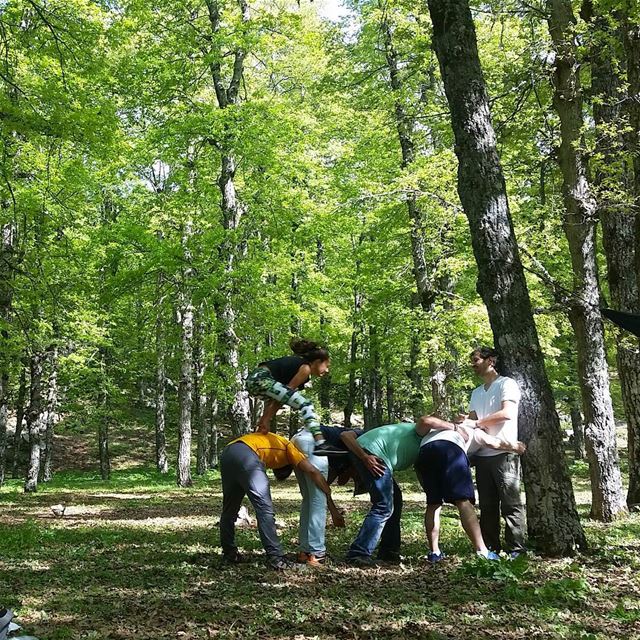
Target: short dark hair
[485, 352]
[282, 473]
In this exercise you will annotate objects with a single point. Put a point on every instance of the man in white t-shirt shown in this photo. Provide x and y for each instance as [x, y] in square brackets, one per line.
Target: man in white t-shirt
[494, 408]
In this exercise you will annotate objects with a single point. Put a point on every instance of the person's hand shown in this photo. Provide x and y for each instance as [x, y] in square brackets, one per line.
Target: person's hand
[519, 448]
[337, 517]
[460, 418]
[262, 428]
[464, 433]
[374, 465]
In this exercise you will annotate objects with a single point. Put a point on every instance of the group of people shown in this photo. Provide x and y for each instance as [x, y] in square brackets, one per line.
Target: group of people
[438, 449]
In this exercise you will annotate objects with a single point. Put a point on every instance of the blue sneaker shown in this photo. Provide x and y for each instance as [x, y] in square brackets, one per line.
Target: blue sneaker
[516, 554]
[435, 557]
[490, 555]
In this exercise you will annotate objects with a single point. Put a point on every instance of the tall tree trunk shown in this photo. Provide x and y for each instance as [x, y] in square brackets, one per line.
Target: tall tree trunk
[17, 439]
[580, 229]
[552, 517]
[232, 213]
[212, 411]
[391, 399]
[51, 412]
[35, 421]
[162, 460]
[104, 419]
[185, 389]
[415, 375]
[626, 295]
[200, 398]
[352, 386]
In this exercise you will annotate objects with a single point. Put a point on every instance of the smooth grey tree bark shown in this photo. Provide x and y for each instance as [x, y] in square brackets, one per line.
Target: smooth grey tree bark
[579, 225]
[35, 421]
[162, 460]
[200, 397]
[50, 414]
[17, 439]
[553, 522]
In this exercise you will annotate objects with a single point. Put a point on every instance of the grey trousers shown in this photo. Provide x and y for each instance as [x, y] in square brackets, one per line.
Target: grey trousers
[244, 474]
[498, 480]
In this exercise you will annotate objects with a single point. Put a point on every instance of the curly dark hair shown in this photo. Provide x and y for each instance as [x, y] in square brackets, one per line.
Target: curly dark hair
[308, 350]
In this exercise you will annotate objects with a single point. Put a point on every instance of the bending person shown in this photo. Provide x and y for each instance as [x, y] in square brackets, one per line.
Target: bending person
[243, 465]
[445, 475]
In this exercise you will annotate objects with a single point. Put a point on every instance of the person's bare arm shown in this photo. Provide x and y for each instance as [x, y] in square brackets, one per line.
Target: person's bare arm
[318, 479]
[428, 423]
[508, 411]
[270, 409]
[492, 442]
[301, 375]
[370, 462]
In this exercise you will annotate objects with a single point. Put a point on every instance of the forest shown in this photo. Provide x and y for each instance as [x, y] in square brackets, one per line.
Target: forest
[187, 185]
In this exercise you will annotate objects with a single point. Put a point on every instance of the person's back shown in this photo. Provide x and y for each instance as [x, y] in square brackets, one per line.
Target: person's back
[396, 444]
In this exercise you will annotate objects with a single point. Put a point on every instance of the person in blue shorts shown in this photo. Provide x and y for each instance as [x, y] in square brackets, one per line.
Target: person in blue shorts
[444, 472]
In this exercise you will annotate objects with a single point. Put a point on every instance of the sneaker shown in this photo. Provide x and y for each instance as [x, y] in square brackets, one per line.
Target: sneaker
[490, 555]
[362, 562]
[280, 563]
[433, 558]
[316, 561]
[302, 557]
[326, 449]
[516, 554]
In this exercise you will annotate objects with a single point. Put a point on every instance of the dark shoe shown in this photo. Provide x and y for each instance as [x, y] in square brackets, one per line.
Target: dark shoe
[233, 557]
[362, 562]
[434, 558]
[390, 557]
[326, 449]
[280, 563]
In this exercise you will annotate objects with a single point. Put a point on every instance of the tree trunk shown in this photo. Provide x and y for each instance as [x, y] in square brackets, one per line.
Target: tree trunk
[352, 387]
[51, 412]
[35, 422]
[17, 439]
[627, 286]
[415, 375]
[579, 452]
[618, 222]
[553, 522]
[185, 389]
[232, 213]
[104, 418]
[4, 410]
[212, 411]
[584, 313]
[391, 401]
[200, 404]
[162, 460]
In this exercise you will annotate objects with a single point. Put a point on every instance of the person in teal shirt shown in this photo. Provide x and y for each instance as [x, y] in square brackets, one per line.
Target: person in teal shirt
[376, 454]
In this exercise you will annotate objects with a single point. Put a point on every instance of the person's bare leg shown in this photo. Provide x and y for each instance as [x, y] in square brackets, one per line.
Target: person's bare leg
[270, 409]
[471, 525]
[432, 526]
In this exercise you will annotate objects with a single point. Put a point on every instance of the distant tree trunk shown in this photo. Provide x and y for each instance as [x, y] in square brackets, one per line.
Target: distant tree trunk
[4, 383]
[391, 400]
[185, 389]
[584, 313]
[200, 404]
[552, 517]
[352, 385]
[415, 375]
[104, 418]
[35, 421]
[324, 391]
[232, 213]
[578, 432]
[212, 411]
[439, 395]
[162, 460]
[51, 412]
[17, 440]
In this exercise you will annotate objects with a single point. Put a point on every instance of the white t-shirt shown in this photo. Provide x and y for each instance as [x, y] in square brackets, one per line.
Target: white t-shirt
[469, 447]
[487, 401]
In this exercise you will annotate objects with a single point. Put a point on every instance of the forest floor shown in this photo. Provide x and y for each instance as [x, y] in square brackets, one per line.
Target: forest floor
[137, 557]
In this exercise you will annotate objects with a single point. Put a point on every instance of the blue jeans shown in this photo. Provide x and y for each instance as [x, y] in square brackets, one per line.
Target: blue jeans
[382, 523]
[313, 510]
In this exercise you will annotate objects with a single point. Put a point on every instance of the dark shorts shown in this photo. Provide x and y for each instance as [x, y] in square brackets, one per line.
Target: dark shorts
[443, 468]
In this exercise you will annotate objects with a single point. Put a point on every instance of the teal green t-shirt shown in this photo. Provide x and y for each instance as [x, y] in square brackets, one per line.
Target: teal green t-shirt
[397, 444]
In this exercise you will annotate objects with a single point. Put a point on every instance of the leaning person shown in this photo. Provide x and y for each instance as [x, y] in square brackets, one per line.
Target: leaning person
[243, 465]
